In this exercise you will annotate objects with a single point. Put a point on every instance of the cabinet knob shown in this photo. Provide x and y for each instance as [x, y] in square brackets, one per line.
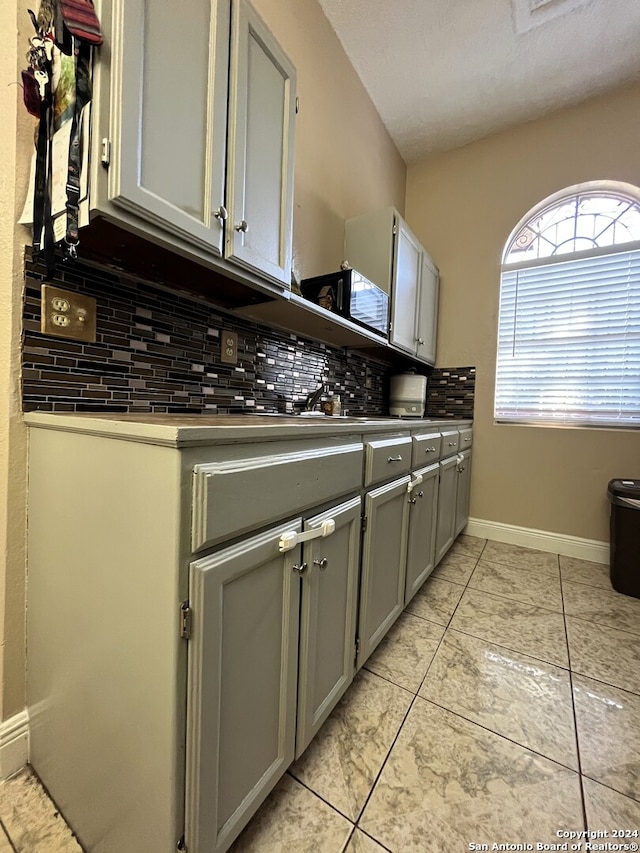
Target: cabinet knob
[242, 226]
[452, 444]
[397, 458]
[430, 450]
[420, 341]
[300, 569]
[322, 563]
[418, 495]
[221, 213]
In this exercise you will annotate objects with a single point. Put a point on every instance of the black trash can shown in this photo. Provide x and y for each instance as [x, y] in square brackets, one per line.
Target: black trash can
[624, 497]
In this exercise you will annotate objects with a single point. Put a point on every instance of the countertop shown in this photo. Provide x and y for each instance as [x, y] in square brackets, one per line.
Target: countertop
[185, 430]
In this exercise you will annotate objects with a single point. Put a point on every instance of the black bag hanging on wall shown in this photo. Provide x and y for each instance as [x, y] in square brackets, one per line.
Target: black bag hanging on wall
[73, 27]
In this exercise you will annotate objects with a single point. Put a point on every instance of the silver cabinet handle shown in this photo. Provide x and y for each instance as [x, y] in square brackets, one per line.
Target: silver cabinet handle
[467, 439]
[420, 341]
[397, 458]
[419, 495]
[322, 563]
[242, 226]
[453, 444]
[299, 569]
[430, 449]
[221, 213]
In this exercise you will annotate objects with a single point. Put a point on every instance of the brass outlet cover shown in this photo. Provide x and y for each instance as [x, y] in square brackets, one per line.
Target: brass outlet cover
[67, 315]
[228, 347]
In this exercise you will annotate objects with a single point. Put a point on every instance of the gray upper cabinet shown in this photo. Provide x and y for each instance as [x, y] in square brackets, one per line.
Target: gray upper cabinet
[194, 123]
[383, 248]
[407, 268]
[427, 311]
[262, 108]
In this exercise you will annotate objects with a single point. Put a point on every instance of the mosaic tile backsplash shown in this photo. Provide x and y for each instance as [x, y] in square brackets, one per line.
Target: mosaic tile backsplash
[158, 351]
[450, 392]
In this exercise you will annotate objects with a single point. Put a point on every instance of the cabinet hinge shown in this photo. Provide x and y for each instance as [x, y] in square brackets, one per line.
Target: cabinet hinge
[186, 615]
[355, 660]
[105, 156]
[364, 523]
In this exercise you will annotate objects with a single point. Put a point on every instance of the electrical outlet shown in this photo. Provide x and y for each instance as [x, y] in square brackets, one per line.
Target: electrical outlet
[228, 347]
[67, 315]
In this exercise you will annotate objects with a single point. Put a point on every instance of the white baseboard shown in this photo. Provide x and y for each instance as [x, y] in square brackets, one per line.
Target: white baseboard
[14, 744]
[556, 543]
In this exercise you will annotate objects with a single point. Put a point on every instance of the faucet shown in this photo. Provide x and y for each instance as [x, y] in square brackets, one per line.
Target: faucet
[312, 399]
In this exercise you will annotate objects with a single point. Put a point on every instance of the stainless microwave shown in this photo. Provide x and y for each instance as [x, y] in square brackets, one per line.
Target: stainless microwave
[351, 295]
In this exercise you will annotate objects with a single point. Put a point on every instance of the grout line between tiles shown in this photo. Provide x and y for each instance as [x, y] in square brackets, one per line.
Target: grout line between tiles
[615, 790]
[573, 705]
[8, 837]
[510, 598]
[348, 841]
[603, 624]
[499, 734]
[390, 750]
[334, 808]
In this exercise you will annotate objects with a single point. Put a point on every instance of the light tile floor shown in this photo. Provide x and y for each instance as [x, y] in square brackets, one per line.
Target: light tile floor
[502, 708]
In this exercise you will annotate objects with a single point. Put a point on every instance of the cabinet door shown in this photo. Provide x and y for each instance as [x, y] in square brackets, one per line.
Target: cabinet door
[242, 677]
[463, 490]
[406, 283]
[445, 530]
[421, 542]
[168, 106]
[328, 618]
[262, 104]
[383, 563]
[427, 312]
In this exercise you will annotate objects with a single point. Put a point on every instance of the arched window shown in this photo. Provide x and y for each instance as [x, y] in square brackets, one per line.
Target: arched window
[569, 324]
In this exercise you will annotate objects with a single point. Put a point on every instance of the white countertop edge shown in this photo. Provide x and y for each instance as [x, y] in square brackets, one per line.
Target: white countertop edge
[168, 430]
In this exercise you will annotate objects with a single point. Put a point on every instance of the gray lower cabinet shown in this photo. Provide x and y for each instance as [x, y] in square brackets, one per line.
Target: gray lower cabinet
[383, 563]
[271, 653]
[445, 528]
[423, 514]
[242, 684]
[463, 489]
[193, 726]
[328, 614]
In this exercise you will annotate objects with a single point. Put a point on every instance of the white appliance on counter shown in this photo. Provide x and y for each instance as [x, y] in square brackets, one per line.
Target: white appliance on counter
[408, 395]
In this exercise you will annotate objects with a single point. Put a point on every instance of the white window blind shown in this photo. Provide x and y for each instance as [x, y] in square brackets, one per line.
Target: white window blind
[569, 342]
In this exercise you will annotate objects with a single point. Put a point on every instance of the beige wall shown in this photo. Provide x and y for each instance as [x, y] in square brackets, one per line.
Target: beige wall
[15, 130]
[463, 206]
[345, 160]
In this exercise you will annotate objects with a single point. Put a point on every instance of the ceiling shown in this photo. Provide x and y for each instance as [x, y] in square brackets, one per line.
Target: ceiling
[443, 73]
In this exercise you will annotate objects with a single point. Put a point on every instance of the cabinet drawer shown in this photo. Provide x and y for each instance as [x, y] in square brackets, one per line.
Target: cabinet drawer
[386, 458]
[233, 496]
[450, 443]
[466, 438]
[426, 449]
